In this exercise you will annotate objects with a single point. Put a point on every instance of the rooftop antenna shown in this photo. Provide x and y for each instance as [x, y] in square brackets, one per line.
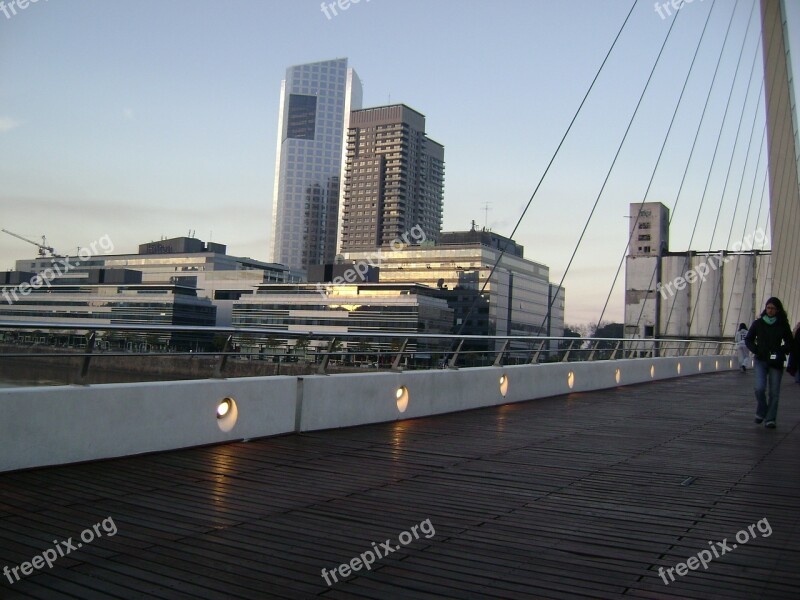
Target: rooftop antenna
[486, 207]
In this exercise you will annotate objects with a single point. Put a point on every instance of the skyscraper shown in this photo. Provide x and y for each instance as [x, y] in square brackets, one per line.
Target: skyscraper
[315, 106]
[393, 181]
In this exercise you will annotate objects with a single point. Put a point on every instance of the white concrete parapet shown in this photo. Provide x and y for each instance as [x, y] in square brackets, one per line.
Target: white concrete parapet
[57, 425]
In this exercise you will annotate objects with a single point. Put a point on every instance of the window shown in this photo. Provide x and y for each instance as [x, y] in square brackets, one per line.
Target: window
[302, 115]
[644, 238]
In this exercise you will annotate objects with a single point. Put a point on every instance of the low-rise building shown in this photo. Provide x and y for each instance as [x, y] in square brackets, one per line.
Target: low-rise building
[354, 308]
[185, 261]
[107, 297]
[517, 300]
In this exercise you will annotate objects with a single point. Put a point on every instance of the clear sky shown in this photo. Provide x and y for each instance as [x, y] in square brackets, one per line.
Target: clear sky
[145, 119]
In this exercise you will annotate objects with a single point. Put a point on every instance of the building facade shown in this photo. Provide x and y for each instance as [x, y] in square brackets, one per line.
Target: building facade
[355, 308]
[393, 181]
[184, 261]
[687, 295]
[315, 106]
[108, 297]
[517, 300]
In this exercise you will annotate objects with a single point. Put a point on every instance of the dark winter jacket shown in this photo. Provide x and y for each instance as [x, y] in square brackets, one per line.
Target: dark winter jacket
[765, 340]
[794, 357]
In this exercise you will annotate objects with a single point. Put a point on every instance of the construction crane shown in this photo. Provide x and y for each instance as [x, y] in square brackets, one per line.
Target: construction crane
[44, 249]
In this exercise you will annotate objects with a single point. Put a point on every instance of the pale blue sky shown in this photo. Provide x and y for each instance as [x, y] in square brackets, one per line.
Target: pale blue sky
[152, 118]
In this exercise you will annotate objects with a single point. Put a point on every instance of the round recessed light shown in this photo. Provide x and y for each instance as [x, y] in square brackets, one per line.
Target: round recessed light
[223, 408]
[402, 398]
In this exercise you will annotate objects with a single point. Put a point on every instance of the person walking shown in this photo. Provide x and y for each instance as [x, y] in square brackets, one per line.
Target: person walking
[741, 347]
[770, 340]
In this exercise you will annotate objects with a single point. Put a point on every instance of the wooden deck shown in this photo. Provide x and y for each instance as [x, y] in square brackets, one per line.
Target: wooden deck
[585, 495]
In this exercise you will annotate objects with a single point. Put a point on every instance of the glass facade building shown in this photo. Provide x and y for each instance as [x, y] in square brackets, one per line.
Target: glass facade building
[315, 104]
[515, 300]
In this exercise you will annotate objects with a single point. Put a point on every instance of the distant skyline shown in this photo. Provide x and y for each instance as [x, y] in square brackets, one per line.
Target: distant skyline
[150, 119]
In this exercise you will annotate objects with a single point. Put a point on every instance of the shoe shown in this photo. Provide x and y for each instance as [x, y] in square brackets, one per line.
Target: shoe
[770, 424]
[758, 420]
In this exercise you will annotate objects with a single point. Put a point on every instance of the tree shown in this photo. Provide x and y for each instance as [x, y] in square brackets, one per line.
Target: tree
[301, 345]
[605, 329]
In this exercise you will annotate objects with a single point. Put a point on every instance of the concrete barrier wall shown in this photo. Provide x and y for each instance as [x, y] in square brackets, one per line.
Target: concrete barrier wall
[58, 425]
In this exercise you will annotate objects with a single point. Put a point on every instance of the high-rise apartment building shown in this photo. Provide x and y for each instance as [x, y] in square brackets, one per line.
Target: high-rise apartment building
[315, 107]
[393, 180]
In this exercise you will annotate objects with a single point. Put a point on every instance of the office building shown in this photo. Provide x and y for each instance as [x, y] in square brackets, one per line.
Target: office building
[394, 179]
[315, 106]
[107, 297]
[515, 300]
[360, 307]
[183, 261]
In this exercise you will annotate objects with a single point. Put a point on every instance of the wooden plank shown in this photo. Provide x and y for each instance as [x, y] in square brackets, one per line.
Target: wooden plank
[569, 497]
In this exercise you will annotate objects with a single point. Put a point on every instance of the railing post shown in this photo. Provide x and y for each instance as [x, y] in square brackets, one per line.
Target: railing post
[566, 356]
[614, 353]
[595, 346]
[88, 356]
[323, 364]
[223, 358]
[535, 358]
[452, 362]
[498, 361]
[399, 357]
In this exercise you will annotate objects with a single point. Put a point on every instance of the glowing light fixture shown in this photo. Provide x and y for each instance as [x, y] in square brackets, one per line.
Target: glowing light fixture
[223, 408]
[227, 414]
[503, 385]
[401, 394]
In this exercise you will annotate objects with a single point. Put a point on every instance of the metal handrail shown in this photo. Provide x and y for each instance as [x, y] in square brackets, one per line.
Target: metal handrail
[497, 350]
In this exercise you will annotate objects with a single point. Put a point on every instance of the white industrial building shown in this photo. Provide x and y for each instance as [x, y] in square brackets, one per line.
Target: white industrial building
[688, 295]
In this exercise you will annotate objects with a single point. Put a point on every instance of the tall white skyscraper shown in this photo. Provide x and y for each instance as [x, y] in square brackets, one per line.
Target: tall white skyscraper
[316, 100]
